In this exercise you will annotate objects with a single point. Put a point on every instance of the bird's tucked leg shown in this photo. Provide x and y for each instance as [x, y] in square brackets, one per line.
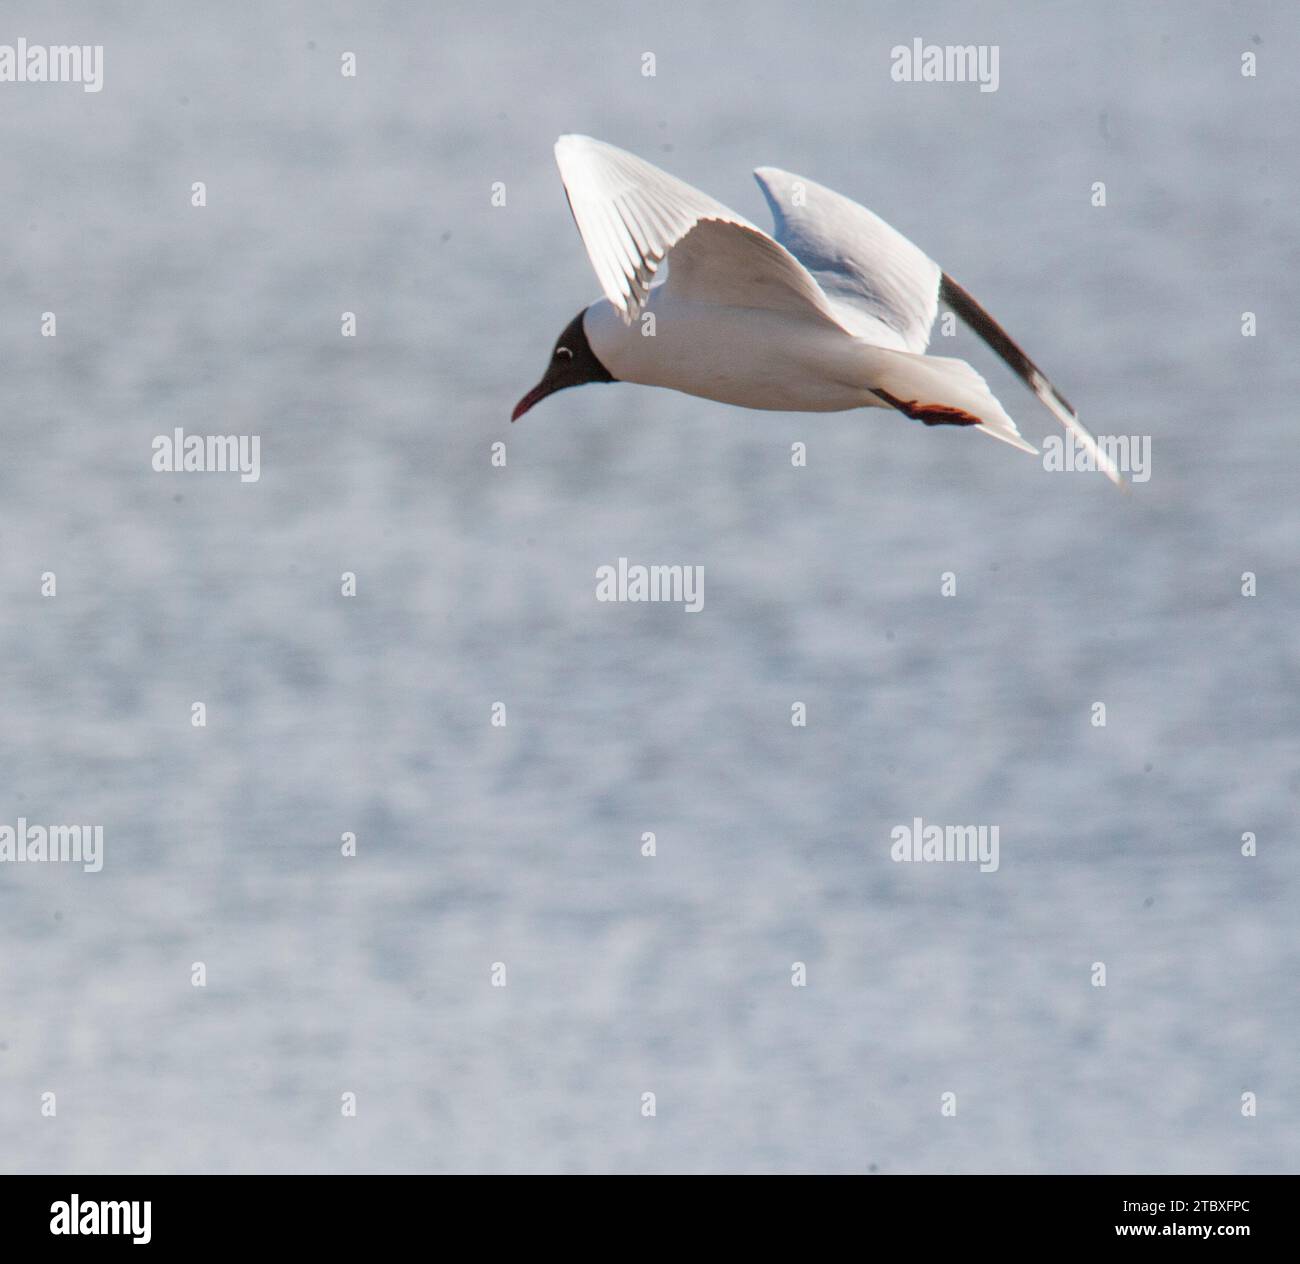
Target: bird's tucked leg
[930, 414]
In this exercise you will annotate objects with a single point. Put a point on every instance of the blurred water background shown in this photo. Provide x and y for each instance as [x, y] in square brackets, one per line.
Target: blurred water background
[522, 844]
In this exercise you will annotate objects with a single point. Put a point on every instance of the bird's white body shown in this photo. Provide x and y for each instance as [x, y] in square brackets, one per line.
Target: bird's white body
[753, 359]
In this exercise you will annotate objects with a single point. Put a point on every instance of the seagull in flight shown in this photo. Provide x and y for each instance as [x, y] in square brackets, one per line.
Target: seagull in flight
[831, 311]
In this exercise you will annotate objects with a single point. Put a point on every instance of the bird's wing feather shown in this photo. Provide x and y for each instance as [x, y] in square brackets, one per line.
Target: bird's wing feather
[881, 286]
[873, 275]
[1024, 368]
[631, 215]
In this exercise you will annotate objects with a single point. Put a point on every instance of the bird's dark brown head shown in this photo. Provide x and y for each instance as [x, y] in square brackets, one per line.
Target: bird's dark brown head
[573, 363]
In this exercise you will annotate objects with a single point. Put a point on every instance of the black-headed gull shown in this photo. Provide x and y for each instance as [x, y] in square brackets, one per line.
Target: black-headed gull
[831, 312]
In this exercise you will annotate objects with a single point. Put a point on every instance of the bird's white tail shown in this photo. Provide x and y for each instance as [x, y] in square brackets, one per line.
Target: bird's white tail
[938, 390]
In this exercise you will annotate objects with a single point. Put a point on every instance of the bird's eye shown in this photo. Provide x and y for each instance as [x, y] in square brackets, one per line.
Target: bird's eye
[563, 353]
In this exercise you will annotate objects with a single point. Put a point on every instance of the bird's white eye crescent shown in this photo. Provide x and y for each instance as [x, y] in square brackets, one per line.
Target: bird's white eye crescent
[563, 353]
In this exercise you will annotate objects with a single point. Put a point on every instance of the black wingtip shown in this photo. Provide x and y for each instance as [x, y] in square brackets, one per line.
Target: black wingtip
[963, 303]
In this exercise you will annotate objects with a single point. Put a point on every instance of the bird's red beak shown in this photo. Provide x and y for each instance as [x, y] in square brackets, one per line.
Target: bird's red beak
[536, 395]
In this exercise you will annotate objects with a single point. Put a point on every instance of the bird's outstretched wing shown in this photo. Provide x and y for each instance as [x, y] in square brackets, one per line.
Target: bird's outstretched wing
[885, 289]
[631, 215]
[881, 286]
